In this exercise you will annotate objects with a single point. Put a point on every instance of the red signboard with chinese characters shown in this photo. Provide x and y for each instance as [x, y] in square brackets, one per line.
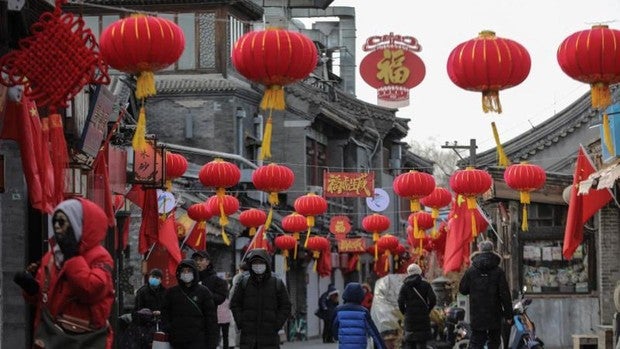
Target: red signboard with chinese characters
[340, 226]
[392, 67]
[348, 184]
[352, 246]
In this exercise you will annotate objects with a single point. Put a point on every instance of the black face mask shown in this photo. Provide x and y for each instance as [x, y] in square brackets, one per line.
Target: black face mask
[67, 242]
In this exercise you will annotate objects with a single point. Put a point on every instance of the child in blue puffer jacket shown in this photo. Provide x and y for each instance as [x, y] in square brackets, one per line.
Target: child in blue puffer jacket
[352, 323]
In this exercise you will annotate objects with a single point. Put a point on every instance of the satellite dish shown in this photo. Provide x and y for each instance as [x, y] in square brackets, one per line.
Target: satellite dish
[165, 201]
[379, 201]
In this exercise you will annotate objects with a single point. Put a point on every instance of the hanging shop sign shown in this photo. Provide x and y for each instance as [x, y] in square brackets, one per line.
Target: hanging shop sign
[392, 67]
[348, 184]
[352, 246]
[95, 125]
[340, 226]
[149, 167]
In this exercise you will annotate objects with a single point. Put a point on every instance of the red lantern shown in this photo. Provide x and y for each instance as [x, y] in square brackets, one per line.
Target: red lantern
[470, 183]
[176, 165]
[219, 174]
[388, 243]
[223, 206]
[252, 218]
[285, 243]
[488, 64]
[318, 245]
[525, 178]
[141, 45]
[201, 214]
[272, 178]
[294, 223]
[310, 205]
[274, 57]
[421, 220]
[440, 197]
[414, 185]
[375, 224]
[591, 56]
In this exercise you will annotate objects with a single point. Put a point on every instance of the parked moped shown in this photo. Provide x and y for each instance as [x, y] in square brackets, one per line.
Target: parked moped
[523, 333]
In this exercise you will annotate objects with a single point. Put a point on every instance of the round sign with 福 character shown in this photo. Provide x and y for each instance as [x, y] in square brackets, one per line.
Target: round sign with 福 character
[340, 226]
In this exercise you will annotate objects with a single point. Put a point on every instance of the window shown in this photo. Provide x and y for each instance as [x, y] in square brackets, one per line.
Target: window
[316, 162]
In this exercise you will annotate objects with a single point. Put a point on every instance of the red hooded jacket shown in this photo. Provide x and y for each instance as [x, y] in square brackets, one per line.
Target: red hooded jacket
[83, 287]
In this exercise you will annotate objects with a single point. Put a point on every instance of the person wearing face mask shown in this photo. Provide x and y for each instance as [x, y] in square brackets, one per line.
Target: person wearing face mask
[74, 277]
[189, 314]
[260, 304]
[151, 295]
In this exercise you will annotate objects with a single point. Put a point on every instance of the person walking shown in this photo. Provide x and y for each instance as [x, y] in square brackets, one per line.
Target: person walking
[242, 271]
[260, 304]
[416, 299]
[224, 317]
[209, 278]
[189, 314]
[328, 301]
[367, 301]
[352, 324]
[74, 278]
[489, 297]
[151, 295]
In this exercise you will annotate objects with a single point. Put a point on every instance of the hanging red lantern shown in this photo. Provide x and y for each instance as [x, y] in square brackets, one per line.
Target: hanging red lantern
[252, 218]
[438, 198]
[318, 245]
[294, 223]
[414, 185]
[420, 222]
[285, 243]
[376, 223]
[387, 243]
[274, 57]
[223, 206]
[219, 174]
[141, 45]
[488, 64]
[310, 205]
[272, 178]
[200, 213]
[176, 165]
[470, 183]
[525, 178]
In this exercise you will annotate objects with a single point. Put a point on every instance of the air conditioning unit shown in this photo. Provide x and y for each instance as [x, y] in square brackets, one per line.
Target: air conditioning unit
[317, 189]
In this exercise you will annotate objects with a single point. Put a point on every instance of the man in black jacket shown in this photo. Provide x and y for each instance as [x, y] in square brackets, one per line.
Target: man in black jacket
[151, 295]
[260, 304]
[208, 277]
[489, 297]
[189, 314]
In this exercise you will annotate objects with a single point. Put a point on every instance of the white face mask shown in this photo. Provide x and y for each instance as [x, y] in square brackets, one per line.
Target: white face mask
[187, 277]
[259, 268]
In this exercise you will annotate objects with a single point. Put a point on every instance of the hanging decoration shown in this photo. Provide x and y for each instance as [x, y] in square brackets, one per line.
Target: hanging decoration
[219, 174]
[388, 243]
[272, 179]
[52, 82]
[318, 245]
[420, 222]
[440, 197]
[310, 205]
[223, 206]
[591, 56]
[285, 243]
[200, 213]
[274, 57]
[176, 165]
[414, 185]
[141, 45]
[471, 183]
[525, 178]
[376, 224]
[294, 223]
[253, 218]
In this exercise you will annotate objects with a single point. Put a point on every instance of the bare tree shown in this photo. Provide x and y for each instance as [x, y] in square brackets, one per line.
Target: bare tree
[445, 160]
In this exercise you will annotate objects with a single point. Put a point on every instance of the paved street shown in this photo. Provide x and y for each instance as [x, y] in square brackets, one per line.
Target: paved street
[311, 344]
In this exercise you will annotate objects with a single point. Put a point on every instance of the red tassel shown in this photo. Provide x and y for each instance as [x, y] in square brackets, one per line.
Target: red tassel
[59, 154]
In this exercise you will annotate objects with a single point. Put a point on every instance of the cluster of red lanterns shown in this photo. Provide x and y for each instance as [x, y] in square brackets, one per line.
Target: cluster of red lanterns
[294, 223]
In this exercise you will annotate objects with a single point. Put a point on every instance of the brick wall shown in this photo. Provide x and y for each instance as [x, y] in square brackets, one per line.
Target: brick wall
[608, 251]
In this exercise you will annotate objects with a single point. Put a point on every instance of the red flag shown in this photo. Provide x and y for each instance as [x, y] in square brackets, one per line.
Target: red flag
[459, 236]
[197, 238]
[324, 264]
[136, 195]
[167, 237]
[149, 225]
[581, 207]
[103, 195]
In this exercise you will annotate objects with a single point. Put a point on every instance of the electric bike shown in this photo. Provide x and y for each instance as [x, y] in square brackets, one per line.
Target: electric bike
[523, 331]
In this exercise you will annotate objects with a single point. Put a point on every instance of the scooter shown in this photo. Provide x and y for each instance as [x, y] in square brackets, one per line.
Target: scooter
[456, 331]
[523, 332]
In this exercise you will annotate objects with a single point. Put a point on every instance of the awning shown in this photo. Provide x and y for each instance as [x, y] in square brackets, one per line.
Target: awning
[601, 179]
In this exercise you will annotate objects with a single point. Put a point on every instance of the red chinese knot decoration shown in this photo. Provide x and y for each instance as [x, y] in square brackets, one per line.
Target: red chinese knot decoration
[253, 218]
[274, 57]
[488, 64]
[525, 178]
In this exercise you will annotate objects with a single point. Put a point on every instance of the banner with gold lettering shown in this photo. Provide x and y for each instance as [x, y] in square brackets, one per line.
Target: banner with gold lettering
[352, 246]
[348, 184]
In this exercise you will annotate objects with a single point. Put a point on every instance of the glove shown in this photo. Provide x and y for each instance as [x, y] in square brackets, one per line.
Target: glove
[26, 282]
[68, 245]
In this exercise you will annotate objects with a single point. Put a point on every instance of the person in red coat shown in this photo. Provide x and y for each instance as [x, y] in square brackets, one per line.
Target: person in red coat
[80, 269]
[367, 301]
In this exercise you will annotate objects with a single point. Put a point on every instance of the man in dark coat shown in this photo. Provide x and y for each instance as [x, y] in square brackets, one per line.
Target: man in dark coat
[416, 299]
[260, 304]
[189, 314]
[328, 301]
[151, 295]
[489, 297]
[209, 278]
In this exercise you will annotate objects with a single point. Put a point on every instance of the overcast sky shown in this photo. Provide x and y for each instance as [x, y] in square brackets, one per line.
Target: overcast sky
[439, 110]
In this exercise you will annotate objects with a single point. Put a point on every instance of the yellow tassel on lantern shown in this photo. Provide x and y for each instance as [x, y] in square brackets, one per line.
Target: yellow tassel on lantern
[375, 238]
[273, 98]
[387, 260]
[252, 231]
[145, 86]
[269, 218]
[273, 198]
[474, 227]
[502, 159]
[315, 255]
[607, 135]
[296, 236]
[265, 149]
[225, 237]
[524, 197]
[600, 95]
[310, 222]
[414, 205]
[490, 102]
[138, 142]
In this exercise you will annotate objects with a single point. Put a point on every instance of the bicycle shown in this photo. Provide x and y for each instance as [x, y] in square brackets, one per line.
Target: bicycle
[298, 328]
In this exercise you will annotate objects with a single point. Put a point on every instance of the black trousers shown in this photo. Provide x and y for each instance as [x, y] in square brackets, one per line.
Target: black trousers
[328, 336]
[224, 330]
[481, 337]
[414, 345]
